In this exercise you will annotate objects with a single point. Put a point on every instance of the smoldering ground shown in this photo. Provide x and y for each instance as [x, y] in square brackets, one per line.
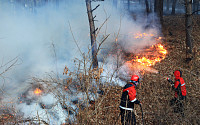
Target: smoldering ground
[43, 44]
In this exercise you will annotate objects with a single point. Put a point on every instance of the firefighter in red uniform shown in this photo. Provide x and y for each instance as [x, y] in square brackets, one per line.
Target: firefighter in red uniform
[128, 99]
[180, 92]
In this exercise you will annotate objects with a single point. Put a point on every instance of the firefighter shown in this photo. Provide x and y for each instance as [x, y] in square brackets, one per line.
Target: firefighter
[128, 99]
[180, 92]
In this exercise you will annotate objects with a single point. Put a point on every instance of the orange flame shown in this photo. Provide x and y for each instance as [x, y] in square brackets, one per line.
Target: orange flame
[142, 35]
[37, 91]
[154, 54]
[147, 57]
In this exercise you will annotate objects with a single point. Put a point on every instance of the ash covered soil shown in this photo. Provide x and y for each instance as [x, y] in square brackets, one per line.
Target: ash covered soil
[155, 92]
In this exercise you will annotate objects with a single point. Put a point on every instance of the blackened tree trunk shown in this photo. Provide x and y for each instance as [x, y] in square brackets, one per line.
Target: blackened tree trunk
[155, 5]
[158, 8]
[195, 6]
[92, 34]
[161, 10]
[188, 28]
[174, 7]
[167, 8]
[151, 5]
[147, 7]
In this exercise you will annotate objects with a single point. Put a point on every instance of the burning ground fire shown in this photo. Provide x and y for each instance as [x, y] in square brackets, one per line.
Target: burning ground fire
[37, 91]
[151, 56]
[148, 56]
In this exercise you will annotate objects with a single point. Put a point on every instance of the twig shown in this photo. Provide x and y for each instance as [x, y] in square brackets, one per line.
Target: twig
[54, 50]
[102, 42]
[74, 39]
[102, 26]
[13, 64]
[31, 120]
[195, 12]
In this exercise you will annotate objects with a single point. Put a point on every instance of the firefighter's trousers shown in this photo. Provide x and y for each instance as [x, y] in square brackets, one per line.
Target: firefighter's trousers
[127, 117]
[178, 105]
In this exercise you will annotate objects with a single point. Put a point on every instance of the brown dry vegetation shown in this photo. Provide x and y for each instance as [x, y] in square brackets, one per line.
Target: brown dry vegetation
[155, 92]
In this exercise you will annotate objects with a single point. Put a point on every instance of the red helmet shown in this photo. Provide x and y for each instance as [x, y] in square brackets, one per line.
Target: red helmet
[135, 78]
[177, 74]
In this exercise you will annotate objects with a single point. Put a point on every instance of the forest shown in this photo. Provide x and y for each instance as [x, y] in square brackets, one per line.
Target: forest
[68, 62]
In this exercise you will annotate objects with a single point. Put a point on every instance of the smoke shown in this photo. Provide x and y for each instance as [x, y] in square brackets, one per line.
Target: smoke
[42, 41]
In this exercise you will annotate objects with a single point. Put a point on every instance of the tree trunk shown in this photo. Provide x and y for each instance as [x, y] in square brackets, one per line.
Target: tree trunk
[195, 6]
[155, 5]
[161, 11]
[34, 5]
[167, 6]
[188, 28]
[128, 5]
[174, 7]
[158, 8]
[92, 34]
[151, 5]
[147, 7]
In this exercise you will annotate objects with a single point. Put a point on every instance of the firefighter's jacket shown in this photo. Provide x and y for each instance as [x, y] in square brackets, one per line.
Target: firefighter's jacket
[128, 97]
[179, 87]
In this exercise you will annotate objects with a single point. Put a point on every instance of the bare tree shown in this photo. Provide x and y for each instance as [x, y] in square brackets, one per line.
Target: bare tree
[158, 8]
[92, 32]
[168, 1]
[174, 7]
[161, 10]
[147, 7]
[188, 28]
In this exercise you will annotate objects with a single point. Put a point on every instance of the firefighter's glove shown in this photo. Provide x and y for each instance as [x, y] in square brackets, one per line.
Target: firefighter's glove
[137, 102]
[168, 79]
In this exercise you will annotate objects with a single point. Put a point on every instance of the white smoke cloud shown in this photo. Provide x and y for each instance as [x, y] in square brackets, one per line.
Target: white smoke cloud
[43, 43]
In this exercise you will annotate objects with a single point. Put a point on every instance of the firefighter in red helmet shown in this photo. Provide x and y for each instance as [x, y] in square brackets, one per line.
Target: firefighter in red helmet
[128, 99]
[180, 92]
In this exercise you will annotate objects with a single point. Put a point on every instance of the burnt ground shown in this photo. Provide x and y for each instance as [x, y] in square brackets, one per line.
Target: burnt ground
[155, 92]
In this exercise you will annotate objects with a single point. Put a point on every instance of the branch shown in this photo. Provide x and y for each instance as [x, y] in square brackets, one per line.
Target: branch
[102, 26]
[95, 8]
[32, 120]
[13, 64]
[97, 0]
[75, 39]
[96, 29]
[94, 17]
[102, 42]
[195, 12]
